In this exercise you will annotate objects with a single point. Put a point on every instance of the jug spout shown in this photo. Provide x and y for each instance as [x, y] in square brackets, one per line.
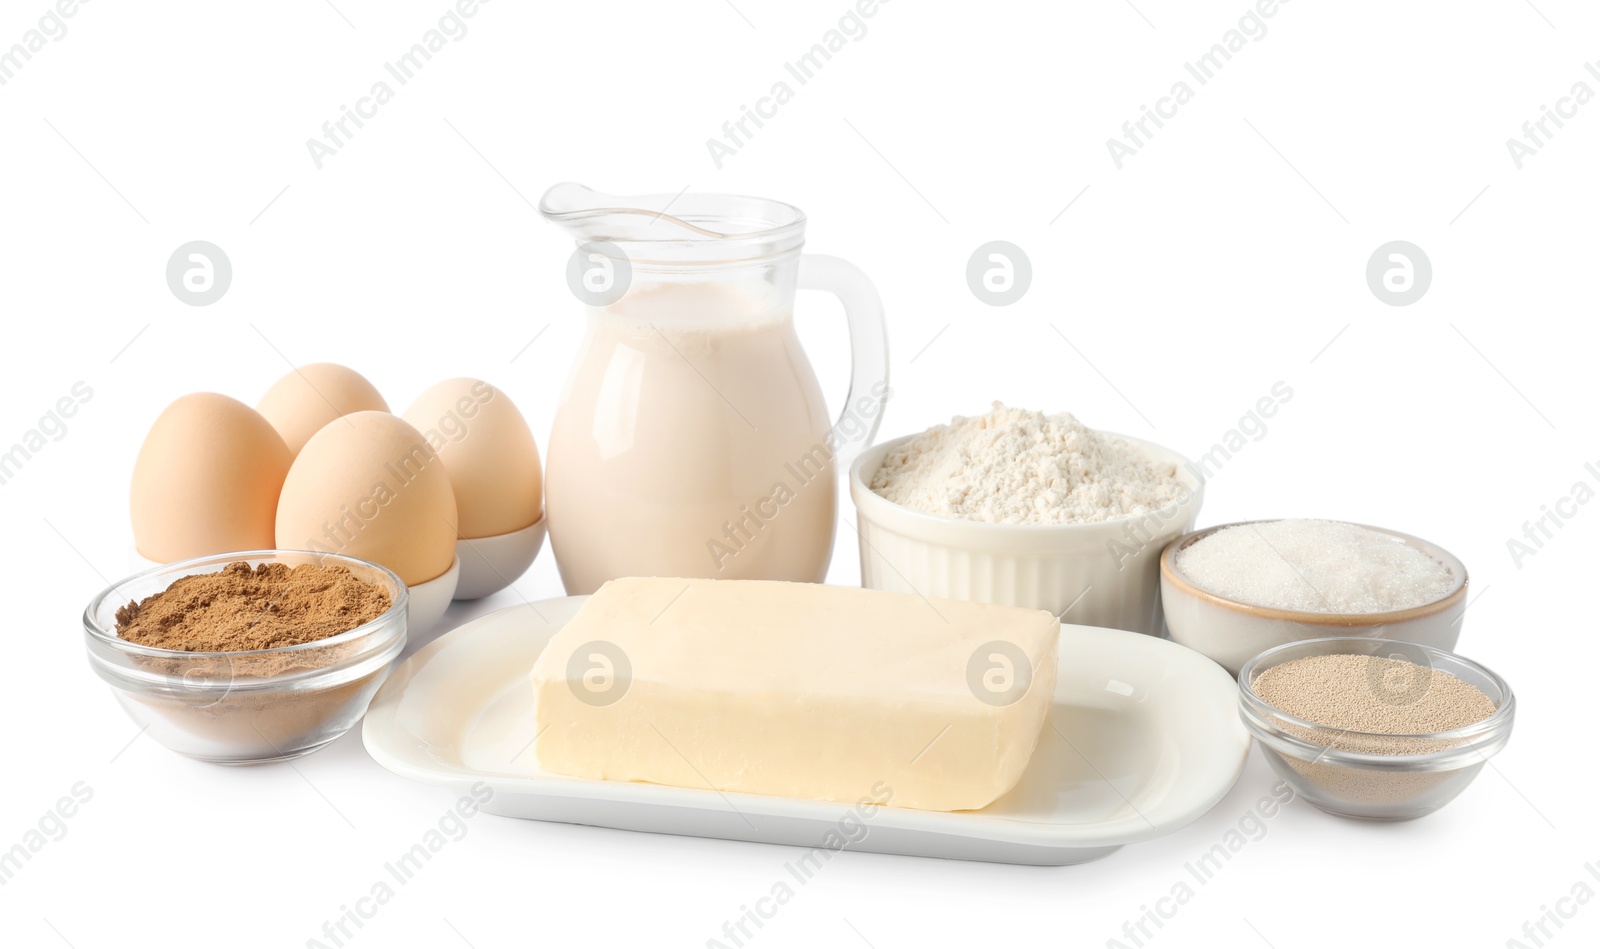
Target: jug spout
[592, 215]
[676, 228]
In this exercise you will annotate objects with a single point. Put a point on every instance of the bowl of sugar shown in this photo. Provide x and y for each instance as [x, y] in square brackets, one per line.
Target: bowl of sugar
[1235, 590]
[1025, 509]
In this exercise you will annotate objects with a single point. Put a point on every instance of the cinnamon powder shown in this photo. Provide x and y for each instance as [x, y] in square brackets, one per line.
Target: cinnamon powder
[246, 608]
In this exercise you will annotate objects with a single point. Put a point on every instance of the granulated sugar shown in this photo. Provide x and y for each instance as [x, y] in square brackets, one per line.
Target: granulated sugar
[1315, 566]
[1013, 466]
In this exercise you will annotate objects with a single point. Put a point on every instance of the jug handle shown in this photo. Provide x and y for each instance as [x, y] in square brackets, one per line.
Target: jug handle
[869, 352]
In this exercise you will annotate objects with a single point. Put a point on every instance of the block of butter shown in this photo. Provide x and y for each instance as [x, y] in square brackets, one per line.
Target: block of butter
[796, 689]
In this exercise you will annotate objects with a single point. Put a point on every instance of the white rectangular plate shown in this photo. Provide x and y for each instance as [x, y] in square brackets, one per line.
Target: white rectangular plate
[1143, 738]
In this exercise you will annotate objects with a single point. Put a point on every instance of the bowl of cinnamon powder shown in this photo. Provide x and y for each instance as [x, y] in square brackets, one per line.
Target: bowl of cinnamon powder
[248, 657]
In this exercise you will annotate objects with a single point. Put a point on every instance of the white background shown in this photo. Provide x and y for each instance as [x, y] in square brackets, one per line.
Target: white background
[1227, 255]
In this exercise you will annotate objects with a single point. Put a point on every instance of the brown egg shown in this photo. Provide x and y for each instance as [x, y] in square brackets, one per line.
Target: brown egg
[206, 480]
[367, 485]
[490, 453]
[302, 402]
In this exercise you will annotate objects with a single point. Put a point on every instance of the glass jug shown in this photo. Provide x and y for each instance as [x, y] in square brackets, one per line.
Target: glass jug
[692, 439]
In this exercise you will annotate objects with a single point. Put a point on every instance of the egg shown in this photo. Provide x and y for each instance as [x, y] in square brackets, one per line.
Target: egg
[489, 452]
[207, 480]
[367, 485]
[302, 402]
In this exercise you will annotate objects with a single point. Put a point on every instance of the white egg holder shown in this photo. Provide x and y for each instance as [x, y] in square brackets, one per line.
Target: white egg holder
[490, 564]
[428, 600]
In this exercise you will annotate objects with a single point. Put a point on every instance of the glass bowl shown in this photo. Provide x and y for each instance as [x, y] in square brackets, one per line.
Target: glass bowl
[1375, 776]
[254, 706]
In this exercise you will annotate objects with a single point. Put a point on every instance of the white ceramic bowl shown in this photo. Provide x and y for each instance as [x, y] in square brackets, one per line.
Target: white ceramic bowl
[431, 598]
[490, 564]
[1231, 632]
[1101, 574]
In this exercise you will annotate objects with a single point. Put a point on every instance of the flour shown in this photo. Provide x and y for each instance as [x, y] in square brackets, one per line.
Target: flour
[1013, 466]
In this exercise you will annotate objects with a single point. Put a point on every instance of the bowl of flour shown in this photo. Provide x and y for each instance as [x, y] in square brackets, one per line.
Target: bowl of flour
[1025, 508]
